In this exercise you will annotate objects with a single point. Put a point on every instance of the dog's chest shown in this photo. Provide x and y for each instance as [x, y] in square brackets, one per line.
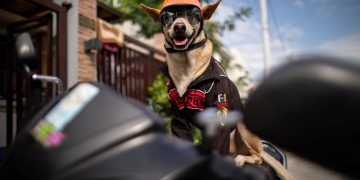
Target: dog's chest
[184, 68]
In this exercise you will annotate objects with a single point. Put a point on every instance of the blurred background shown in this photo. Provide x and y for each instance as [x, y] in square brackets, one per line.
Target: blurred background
[295, 27]
[114, 42]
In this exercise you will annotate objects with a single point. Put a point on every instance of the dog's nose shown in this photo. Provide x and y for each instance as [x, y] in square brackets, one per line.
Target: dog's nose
[179, 28]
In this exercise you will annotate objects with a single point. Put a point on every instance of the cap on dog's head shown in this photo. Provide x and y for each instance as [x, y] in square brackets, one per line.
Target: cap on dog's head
[181, 21]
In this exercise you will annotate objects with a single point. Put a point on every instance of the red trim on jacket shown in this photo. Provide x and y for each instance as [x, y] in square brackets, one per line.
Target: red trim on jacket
[192, 99]
[221, 105]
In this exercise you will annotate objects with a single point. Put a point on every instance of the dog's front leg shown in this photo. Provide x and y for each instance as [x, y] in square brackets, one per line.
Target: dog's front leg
[240, 160]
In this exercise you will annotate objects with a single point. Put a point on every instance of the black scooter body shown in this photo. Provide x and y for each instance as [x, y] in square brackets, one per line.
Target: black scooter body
[114, 137]
[111, 134]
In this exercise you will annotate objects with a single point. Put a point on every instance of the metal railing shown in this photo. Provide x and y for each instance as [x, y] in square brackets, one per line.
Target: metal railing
[130, 69]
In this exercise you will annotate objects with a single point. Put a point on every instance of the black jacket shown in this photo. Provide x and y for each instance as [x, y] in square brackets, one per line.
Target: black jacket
[211, 89]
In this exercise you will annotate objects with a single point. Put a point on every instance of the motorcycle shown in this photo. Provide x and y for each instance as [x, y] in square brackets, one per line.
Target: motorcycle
[92, 132]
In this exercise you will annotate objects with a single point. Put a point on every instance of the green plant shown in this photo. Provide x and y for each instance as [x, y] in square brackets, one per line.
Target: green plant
[196, 133]
[159, 99]
[160, 104]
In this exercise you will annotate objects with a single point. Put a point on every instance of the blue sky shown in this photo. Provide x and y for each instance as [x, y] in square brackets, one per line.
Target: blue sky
[296, 27]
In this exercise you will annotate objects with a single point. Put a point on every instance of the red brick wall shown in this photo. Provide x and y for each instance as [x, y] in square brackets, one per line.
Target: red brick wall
[87, 30]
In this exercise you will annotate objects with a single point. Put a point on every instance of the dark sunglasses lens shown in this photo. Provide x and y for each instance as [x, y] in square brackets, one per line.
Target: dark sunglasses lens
[167, 18]
[196, 16]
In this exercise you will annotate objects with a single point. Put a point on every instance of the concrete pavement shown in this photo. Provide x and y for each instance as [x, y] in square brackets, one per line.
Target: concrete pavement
[306, 170]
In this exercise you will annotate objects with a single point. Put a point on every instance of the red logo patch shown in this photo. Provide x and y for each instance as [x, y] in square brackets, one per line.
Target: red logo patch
[175, 98]
[193, 99]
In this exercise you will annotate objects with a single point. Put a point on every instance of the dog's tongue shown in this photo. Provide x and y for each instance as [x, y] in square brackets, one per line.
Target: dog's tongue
[180, 42]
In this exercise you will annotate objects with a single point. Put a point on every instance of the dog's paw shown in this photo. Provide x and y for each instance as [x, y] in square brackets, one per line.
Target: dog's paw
[240, 160]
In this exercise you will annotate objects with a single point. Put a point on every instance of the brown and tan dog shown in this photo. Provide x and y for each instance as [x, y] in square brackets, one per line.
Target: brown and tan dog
[185, 67]
[186, 64]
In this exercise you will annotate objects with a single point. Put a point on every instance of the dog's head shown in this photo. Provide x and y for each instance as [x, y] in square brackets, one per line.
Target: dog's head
[181, 20]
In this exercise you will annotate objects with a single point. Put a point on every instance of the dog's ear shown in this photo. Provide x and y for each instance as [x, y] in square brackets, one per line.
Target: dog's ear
[154, 13]
[209, 9]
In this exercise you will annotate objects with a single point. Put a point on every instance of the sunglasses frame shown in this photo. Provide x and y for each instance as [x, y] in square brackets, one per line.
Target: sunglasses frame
[191, 13]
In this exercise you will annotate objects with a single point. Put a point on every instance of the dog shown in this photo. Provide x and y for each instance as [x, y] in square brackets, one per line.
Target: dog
[189, 56]
[185, 67]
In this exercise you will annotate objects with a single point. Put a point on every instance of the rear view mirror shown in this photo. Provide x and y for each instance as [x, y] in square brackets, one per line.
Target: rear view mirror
[25, 52]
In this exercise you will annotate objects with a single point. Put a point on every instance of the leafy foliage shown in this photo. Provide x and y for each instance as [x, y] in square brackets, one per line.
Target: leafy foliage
[243, 81]
[159, 98]
[161, 105]
[130, 10]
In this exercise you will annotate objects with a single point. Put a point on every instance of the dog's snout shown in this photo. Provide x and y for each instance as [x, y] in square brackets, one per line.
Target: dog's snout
[179, 28]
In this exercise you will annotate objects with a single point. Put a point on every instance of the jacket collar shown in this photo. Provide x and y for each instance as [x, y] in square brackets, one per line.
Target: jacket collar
[213, 71]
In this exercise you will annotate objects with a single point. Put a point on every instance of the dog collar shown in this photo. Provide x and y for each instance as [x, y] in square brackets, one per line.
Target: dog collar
[191, 46]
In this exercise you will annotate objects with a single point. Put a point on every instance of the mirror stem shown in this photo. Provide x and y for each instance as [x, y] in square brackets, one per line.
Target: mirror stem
[45, 78]
[51, 79]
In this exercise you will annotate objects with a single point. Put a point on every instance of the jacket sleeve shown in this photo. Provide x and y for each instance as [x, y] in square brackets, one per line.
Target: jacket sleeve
[180, 127]
[235, 102]
[224, 93]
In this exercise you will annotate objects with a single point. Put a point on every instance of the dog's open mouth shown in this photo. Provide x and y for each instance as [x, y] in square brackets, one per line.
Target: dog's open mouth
[180, 40]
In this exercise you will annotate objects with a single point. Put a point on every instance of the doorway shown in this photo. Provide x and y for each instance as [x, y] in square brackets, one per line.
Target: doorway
[46, 22]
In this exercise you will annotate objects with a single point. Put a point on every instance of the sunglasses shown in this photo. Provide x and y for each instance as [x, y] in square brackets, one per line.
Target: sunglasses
[192, 14]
